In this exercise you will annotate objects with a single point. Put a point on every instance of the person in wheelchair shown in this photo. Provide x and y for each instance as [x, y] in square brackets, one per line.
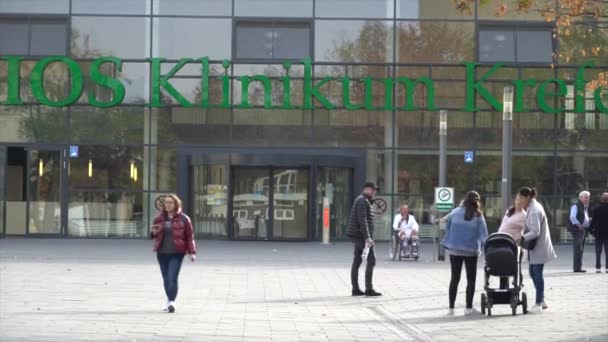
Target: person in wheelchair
[406, 227]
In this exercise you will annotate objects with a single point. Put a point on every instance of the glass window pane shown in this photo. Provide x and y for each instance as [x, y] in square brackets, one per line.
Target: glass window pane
[164, 169]
[107, 168]
[117, 125]
[534, 46]
[421, 129]
[341, 127]
[291, 42]
[272, 40]
[254, 40]
[585, 37]
[106, 214]
[270, 127]
[210, 199]
[353, 41]
[110, 36]
[34, 6]
[496, 46]
[414, 9]
[187, 37]
[273, 8]
[191, 126]
[490, 10]
[435, 42]
[13, 37]
[355, 8]
[111, 7]
[3, 175]
[133, 76]
[193, 7]
[49, 38]
[33, 124]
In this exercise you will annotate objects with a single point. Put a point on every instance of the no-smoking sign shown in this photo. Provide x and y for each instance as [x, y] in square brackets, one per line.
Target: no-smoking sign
[444, 198]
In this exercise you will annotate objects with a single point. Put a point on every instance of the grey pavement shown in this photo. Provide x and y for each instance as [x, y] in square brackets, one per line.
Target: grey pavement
[111, 290]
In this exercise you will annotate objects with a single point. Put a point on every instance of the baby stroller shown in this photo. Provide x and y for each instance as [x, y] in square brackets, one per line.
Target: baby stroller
[503, 259]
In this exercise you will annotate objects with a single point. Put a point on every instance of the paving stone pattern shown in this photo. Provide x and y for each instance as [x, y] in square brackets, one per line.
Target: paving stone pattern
[111, 290]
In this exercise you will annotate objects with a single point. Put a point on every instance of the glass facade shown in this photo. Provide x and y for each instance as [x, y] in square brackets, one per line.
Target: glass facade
[257, 173]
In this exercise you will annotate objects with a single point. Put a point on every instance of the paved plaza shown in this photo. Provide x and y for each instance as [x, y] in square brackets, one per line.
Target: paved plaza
[110, 290]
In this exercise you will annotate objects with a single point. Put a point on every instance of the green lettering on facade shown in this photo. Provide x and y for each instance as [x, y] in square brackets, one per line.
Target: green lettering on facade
[162, 81]
[364, 87]
[246, 81]
[287, 87]
[346, 95]
[542, 94]
[473, 87]
[579, 88]
[205, 83]
[107, 82]
[225, 85]
[410, 91]
[311, 91]
[14, 86]
[37, 81]
[520, 87]
[597, 97]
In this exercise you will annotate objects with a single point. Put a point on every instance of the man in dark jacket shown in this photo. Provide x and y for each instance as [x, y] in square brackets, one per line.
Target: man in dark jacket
[361, 231]
[579, 221]
[599, 229]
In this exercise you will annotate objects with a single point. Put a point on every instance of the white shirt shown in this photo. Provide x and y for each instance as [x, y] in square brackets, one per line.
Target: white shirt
[405, 226]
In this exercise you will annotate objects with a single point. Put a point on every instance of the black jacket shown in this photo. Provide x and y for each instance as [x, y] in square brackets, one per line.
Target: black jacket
[361, 219]
[599, 223]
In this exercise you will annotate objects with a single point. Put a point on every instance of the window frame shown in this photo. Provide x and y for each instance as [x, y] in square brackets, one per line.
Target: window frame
[29, 20]
[516, 27]
[308, 22]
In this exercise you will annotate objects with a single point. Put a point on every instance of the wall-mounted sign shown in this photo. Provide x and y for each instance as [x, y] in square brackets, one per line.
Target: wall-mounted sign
[312, 89]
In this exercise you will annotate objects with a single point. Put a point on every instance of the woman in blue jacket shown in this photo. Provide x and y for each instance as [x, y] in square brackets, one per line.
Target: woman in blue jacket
[466, 232]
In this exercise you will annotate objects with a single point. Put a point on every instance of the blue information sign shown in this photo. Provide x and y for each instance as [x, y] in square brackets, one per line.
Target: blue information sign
[73, 151]
[468, 157]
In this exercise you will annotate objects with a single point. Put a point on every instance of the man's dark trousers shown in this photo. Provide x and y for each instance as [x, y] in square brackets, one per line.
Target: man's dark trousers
[359, 245]
[577, 244]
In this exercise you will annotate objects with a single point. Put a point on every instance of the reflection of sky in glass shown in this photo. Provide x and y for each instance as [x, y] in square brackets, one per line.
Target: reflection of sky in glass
[355, 8]
[113, 36]
[408, 8]
[273, 8]
[34, 6]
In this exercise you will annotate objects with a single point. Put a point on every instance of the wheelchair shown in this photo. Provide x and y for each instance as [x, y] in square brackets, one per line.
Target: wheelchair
[395, 248]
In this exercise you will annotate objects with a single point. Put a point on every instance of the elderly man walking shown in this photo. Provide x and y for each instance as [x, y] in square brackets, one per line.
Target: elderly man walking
[599, 229]
[579, 221]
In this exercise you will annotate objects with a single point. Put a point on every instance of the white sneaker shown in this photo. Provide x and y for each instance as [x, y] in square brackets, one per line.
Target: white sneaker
[544, 305]
[450, 312]
[470, 311]
[166, 306]
[171, 307]
[597, 270]
[536, 309]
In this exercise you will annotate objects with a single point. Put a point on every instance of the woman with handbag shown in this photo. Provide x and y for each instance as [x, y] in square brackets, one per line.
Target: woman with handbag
[537, 240]
[174, 238]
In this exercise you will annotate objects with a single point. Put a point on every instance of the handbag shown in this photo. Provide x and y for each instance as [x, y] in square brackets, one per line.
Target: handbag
[528, 244]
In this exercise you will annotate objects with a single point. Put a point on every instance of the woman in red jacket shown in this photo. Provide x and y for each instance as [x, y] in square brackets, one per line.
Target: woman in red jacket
[174, 238]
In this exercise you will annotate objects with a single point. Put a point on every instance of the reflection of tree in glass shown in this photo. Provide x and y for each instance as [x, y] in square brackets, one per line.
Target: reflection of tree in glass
[577, 42]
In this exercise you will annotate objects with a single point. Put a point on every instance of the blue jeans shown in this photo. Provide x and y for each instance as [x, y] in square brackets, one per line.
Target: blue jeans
[170, 265]
[536, 273]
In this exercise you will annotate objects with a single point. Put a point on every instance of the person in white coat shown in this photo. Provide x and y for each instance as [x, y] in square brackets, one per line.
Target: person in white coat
[537, 228]
[406, 226]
